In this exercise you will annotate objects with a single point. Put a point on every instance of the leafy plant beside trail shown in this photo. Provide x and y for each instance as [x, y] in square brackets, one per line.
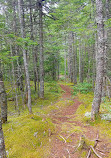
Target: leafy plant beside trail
[82, 88]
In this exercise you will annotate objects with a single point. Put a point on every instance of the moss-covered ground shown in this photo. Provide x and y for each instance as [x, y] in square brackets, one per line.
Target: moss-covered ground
[28, 136]
[31, 135]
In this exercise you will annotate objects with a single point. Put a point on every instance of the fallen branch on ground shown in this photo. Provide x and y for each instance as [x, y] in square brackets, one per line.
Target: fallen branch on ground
[81, 144]
[96, 142]
[102, 151]
[95, 152]
[62, 138]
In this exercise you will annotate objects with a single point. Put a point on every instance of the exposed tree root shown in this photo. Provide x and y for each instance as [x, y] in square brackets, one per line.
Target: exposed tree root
[84, 145]
[95, 152]
[81, 145]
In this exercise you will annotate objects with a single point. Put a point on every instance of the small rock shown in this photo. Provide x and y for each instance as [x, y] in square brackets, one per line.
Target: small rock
[88, 114]
[35, 134]
[106, 117]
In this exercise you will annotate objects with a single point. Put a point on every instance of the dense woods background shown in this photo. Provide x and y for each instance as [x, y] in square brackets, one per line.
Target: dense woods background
[46, 40]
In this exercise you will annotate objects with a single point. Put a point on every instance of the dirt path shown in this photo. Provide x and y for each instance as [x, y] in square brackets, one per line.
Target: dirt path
[69, 130]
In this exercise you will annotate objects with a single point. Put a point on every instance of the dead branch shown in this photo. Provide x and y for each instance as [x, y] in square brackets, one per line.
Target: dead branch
[68, 153]
[69, 135]
[95, 152]
[102, 151]
[96, 142]
[81, 143]
[73, 146]
[89, 153]
[62, 138]
[14, 84]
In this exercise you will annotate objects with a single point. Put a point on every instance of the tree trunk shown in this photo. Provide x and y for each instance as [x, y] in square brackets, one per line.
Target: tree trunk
[94, 66]
[99, 60]
[37, 68]
[71, 55]
[65, 64]
[25, 57]
[13, 73]
[3, 100]
[80, 64]
[2, 145]
[75, 60]
[68, 64]
[104, 88]
[41, 51]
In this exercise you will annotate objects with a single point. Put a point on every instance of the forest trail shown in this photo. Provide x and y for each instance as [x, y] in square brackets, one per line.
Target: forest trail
[69, 130]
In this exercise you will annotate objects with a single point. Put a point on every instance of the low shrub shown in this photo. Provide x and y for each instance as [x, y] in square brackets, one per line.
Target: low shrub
[82, 88]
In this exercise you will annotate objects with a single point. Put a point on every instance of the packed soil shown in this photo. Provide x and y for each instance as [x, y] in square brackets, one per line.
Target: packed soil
[65, 142]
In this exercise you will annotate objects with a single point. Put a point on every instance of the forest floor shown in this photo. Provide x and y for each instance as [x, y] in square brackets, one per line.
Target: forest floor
[57, 125]
[70, 129]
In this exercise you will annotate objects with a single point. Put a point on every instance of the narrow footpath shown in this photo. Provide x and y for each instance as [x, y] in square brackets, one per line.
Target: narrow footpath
[69, 130]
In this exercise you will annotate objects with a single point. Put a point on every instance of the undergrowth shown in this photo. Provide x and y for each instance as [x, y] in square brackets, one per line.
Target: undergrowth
[82, 88]
[103, 126]
[29, 136]
[51, 94]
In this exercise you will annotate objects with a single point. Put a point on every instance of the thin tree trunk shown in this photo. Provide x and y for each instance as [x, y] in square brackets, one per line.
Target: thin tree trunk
[65, 65]
[32, 38]
[58, 68]
[104, 88]
[25, 57]
[88, 72]
[41, 51]
[54, 69]
[13, 73]
[75, 60]
[71, 56]
[37, 68]
[99, 60]
[68, 64]
[2, 144]
[80, 65]
[94, 65]
[19, 71]
[3, 100]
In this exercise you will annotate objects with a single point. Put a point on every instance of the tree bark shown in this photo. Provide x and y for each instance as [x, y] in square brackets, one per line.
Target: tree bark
[65, 64]
[71, 55]
[80, 64]
[41, 51]
[94, 65]
[3, 100]
[2, 144]
[99, 60]
[75, 61]
[37, 68]
[25, 57]
[13, 73]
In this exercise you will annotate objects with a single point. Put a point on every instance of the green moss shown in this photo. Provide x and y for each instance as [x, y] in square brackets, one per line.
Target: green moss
[103, 126]
[57, 106]
[83, 154]
[51, 94]
[26, 134]
[71, 128]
